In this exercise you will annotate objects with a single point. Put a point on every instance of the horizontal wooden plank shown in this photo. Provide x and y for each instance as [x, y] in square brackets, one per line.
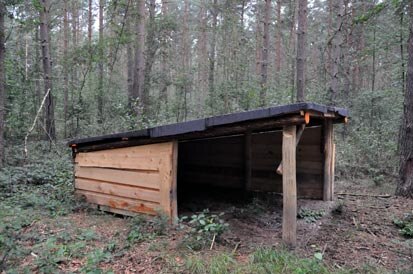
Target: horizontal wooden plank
[119, 202]
[118, 190]
[213, 179]
[127, 177]
[146, 157]
[121, 161]
[311, 136]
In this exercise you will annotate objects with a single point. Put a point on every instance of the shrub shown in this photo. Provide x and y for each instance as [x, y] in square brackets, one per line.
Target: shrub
[405, 225]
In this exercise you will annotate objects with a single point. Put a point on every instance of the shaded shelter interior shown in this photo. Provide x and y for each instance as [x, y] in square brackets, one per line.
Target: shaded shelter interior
[228, 169]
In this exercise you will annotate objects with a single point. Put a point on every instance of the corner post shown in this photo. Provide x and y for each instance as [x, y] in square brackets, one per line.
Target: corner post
[328, 148]
[289, 225]
[248, 157]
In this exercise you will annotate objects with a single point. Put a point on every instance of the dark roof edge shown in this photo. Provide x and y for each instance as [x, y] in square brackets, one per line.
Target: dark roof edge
[205, 123]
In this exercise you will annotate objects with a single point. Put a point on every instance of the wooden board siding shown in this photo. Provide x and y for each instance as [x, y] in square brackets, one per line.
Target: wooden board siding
[221, 162]
[267, 154]
[217, 162]
[135, 179]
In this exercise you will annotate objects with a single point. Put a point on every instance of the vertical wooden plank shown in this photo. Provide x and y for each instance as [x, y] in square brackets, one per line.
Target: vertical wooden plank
[168, 187]
[174, 186]
[289, 227]
[328, 138]
[248, 159]
[165, 172]
[333, 167]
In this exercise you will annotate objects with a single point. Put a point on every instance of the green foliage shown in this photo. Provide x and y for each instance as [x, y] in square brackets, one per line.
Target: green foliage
[377, 9]
[267, 260]
[367, 146]
[338, 208]
[309, 215]
[94, 259]
[204, 228]
[143, 228]
[405, 225]
[263, 260]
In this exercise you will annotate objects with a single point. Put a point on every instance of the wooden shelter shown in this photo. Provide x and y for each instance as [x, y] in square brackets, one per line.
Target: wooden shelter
[286, 149]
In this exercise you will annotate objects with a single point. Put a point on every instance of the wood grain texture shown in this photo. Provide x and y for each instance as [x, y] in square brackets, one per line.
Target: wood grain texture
[289, 225]
[123, 203]
[118, 190]
[127, 177]
[134, 179]
[248, 160]
[328, 138]
[223, 162]
[147, 157]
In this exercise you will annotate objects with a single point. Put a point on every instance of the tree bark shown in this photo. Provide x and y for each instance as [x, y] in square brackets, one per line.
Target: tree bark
[278, 38]
[151, 48]
[203, 55]
[292, 46]
[65, 67]
[165, 51]
[100, 65]
[337, 40]
[211, 76]
[405, 184]
[47, 69]
[264, 54]
[89, 22]
[258, 40]
[186, 55]
[139, 70]
[301, 49]
[2, 78]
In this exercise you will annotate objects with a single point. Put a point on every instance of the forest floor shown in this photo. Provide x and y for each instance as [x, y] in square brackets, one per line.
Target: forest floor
[353, 234]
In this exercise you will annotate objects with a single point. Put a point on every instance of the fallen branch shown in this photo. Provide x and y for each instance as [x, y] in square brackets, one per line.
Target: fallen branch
[366, 195]
[34, 123]
[213, 241]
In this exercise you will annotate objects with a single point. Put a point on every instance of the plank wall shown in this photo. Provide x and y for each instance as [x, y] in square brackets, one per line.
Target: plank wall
[134, 179]
[221, 162]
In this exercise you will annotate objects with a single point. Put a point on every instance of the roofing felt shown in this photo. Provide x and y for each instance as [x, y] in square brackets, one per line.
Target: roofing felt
[178, 129]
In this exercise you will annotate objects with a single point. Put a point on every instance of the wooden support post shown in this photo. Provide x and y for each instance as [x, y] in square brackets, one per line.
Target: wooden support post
[289, 226]
[248, 161]
[174, 185]
[300, 131]
[328, 137]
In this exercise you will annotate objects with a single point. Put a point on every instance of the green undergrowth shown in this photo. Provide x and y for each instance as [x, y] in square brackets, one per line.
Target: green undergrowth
[263, 260]
[405, 225]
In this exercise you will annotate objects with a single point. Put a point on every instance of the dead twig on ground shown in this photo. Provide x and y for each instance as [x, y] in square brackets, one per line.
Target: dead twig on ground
[365, 195]
[213, 241]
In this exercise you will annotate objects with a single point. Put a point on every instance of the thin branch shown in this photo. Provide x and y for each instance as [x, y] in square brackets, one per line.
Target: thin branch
[34, 123]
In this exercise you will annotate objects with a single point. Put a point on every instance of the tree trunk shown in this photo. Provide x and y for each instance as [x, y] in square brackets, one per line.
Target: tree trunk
[278, 38]
[2, 78]
[65, 67]
[186, 55]
[337, 40]
[291, 46]
[203, 56]
[129, 54]
[100, 65]
[165, 51]
[139, 70]
[89, 22]
[47, 69]
[301, 49]
[151, 48]
[74, 71]
[405, 184]
[264, 54]
[258, 40]
[211, 76]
